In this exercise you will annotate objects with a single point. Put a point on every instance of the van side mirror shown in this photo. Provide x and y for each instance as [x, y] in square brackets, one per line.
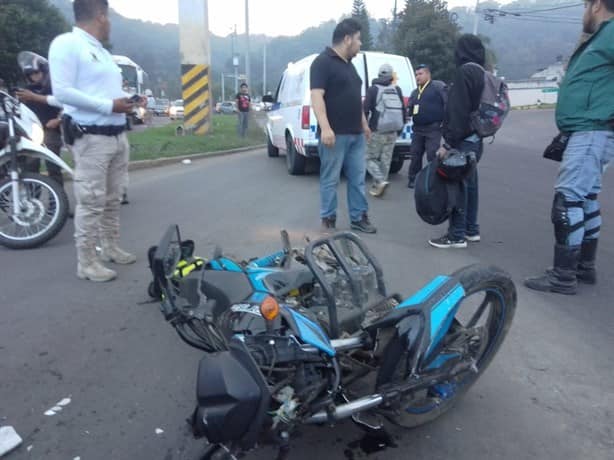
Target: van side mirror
[268, 98]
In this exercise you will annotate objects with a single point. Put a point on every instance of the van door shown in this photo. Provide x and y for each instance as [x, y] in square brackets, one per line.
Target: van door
[275, 117]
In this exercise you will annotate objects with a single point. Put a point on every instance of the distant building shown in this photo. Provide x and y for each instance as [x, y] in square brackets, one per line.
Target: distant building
[540, 88]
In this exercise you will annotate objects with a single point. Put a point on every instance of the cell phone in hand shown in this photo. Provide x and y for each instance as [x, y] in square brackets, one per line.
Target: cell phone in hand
[135, 98]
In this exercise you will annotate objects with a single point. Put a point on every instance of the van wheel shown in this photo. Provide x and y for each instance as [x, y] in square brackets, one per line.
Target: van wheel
[294, 160]
[271, 149]
[396, 165]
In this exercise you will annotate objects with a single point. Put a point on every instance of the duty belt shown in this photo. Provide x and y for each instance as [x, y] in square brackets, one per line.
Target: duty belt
[106, 130]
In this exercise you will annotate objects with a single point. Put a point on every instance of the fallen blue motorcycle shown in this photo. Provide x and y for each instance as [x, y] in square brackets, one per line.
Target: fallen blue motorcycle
[311, 336]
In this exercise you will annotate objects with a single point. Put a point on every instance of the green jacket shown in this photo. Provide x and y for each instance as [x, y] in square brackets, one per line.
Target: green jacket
[586, 95]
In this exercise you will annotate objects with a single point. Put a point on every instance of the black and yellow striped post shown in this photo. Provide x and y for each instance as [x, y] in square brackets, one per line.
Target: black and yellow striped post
[195, 61]
[196, 100]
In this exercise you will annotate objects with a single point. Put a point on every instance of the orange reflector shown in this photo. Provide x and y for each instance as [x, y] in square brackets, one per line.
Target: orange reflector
[269, 308]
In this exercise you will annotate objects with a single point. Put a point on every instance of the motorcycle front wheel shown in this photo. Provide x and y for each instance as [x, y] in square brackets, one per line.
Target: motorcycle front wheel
[42, 211]
[480, 325]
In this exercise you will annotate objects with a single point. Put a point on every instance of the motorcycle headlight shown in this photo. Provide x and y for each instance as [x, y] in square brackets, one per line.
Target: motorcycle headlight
[38, 135]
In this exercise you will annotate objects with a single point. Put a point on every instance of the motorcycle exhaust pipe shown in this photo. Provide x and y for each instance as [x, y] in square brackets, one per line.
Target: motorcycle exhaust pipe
[346, 410]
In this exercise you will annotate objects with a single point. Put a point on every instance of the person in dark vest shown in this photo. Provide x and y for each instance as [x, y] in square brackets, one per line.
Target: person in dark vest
[426, 107]
[38, 98]
[585, 111]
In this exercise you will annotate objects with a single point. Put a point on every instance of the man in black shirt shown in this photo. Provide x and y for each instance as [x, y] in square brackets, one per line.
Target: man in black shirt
[243, 102]
[336, 98]
[426, 107]
[37, 96]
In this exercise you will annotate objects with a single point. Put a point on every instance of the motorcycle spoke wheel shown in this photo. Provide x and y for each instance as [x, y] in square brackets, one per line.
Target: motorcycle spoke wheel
[480, 325]
[41, 214]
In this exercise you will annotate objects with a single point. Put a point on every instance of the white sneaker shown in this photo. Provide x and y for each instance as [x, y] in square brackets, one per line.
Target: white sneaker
[473, 238]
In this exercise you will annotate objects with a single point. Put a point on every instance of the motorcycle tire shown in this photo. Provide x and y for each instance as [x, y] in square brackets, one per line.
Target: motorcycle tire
[37, 183]
[499, 293]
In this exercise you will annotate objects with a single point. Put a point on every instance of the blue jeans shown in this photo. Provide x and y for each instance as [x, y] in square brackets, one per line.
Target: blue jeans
[584, 162]
[348, 154]
[464, 220]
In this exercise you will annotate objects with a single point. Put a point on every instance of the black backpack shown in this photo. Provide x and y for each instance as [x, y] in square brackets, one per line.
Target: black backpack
[434, 195]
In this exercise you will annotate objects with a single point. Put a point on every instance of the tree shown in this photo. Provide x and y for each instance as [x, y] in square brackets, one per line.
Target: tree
[26, 25]
[359, 12]
[427, 36]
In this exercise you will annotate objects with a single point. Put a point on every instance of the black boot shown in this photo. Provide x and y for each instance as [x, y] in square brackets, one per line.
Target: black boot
[586, 267]
[562, 278]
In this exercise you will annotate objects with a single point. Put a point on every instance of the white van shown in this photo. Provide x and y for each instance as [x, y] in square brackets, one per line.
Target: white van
[292, 125]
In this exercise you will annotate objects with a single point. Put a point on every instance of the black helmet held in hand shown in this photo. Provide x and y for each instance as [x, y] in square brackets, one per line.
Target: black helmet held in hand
[457, 165]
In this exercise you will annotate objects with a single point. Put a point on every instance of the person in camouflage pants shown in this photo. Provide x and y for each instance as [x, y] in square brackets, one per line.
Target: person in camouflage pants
[381, 147]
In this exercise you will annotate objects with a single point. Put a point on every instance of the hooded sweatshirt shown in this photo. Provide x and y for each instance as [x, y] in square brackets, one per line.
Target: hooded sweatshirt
[466, 90]
[371, 101]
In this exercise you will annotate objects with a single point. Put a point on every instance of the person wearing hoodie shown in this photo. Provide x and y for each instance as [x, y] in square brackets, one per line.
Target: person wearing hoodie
[585, 112]
[464, 98]
[381, 145]
[427, 105]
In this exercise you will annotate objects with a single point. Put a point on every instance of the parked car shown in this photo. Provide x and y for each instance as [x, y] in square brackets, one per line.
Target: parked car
[161, 107]
[175, 111]
[228, 107]
[292, 125]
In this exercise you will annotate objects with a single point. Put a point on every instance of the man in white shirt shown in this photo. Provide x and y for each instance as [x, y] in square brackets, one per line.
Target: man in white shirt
[88, 83]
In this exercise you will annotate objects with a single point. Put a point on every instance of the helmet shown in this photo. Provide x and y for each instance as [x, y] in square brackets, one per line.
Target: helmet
[148, 93]
[30, 63]
[457, 165]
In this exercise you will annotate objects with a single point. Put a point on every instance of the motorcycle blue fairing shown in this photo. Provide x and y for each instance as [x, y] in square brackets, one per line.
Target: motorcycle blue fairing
[309, 332]
[439, 300]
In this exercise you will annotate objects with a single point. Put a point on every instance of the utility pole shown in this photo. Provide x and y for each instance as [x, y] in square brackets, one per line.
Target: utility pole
[264, 69]
[223, 88]
[475, 17]
[195, 64]
[235, 61]
[247, 73]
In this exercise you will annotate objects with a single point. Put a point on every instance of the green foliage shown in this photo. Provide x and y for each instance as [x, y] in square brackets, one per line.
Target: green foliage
[359, 12]
[26, 25]
[427, 36]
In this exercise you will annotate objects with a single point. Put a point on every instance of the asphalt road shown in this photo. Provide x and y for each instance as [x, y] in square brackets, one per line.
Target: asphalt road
[549, 394]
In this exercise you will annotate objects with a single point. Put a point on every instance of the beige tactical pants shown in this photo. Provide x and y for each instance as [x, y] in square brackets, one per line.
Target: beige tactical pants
[379, 155]
[101, 171]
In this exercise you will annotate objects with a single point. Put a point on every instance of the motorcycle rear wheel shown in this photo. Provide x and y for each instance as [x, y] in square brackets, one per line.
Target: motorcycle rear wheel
[43, 211]
[493, 317]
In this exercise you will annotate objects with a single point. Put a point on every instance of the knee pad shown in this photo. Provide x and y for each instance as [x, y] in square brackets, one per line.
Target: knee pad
[567, 217]
[592, 217]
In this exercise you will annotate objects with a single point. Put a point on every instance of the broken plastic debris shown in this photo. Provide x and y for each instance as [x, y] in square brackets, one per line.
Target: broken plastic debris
[64, 402]
[9, 439]
[159, 431]
[29, 448]
[187, 161]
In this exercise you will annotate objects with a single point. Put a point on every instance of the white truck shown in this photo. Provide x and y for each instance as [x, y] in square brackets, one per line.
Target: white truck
[135, 81]
[292, 125]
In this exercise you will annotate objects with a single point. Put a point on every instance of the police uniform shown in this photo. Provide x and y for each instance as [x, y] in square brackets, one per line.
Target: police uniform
[86, 80]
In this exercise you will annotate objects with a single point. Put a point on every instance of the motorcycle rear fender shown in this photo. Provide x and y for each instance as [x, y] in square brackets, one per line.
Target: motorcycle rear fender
[28, 148]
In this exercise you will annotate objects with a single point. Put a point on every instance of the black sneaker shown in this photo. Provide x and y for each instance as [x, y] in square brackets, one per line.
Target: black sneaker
[446, 242]
[364, 225]
[329, 224]
[125, 199]
[411, 182]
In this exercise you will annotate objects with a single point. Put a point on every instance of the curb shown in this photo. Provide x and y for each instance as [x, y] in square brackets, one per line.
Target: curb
[157, 162]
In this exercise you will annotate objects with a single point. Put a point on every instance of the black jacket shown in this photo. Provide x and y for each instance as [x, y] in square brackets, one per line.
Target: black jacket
[371, 101]
[466, 90]
[432, 103]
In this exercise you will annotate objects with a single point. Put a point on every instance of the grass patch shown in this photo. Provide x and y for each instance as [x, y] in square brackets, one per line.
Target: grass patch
[160, 142]
[530, 107]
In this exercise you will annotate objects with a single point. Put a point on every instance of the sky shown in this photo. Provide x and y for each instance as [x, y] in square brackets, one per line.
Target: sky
[269, 17]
